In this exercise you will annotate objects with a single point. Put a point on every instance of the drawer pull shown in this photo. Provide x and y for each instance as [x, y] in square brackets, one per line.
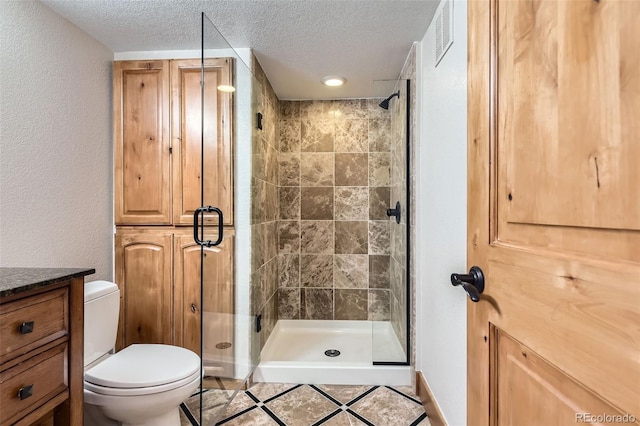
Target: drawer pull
[25, 392]
[26, 327]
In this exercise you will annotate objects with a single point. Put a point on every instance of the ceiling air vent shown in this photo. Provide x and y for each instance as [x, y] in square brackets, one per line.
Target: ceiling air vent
[444, 30]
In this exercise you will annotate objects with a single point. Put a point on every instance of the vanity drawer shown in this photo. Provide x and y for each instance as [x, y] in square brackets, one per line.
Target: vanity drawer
[30, 384]
[34, 321]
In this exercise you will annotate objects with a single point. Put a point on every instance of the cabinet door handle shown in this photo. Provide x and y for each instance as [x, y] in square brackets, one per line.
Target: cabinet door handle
[25, 392]
[196, 221]
[26, 327]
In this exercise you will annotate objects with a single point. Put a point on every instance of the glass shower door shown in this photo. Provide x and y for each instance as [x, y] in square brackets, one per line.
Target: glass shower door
[391, 345]
[221, 224]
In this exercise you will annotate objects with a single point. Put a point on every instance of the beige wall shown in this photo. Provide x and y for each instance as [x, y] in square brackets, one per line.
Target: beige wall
[334, 189]
[56, 196]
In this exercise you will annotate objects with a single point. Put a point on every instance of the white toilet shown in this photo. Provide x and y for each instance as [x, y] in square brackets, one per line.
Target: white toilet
[140, 385]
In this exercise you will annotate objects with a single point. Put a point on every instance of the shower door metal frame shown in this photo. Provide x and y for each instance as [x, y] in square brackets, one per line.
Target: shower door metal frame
[408, 236]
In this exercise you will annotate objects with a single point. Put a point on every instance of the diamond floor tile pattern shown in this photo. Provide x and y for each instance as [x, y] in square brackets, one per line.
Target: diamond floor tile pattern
[326, 405]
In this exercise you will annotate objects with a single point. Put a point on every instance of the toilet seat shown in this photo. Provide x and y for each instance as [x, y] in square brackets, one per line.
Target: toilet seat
[143, 370]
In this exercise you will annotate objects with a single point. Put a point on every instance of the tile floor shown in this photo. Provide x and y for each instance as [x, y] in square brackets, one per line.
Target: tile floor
[311, 405]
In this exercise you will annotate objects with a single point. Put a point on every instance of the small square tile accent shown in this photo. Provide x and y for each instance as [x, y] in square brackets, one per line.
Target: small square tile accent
[289, 169]
[351, 270]
[351, 136]
[379, 274]
[289, 270]
[351, 203]
[316, 237]
[379, 241]
[351, 169]
[317, 135]
[349, 108]
[289, 236]
[351, 237]
[289, 303]
[289, 202]
[379, 202]
[379, 169]
[289, 110]
[351, 304]
[316, 203]
[290, 131]
[316, 169]
[379, 306]
[316, 270]
[379, 135]
[311, 109]
[316, 303]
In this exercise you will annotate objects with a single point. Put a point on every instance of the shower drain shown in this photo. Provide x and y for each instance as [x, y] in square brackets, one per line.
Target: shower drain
[332, 352]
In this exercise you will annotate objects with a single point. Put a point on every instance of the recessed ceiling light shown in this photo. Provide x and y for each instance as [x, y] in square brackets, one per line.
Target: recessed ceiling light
[333, 81]
[226, 88]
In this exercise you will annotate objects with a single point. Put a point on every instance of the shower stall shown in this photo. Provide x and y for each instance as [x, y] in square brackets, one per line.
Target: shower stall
[320, 289]
[342, 233]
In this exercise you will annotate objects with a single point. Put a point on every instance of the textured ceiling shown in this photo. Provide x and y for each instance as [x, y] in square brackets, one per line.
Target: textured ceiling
[297, 41]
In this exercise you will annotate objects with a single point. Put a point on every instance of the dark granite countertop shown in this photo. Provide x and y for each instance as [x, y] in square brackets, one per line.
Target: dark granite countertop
[18, 280]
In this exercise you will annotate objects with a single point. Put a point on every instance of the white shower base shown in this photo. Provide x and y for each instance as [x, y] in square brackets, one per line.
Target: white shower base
[295, 350]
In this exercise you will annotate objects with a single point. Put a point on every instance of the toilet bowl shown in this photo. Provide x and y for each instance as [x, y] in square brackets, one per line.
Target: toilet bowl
[143, 384]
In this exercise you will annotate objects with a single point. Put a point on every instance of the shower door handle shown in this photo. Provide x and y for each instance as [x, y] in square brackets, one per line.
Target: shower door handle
[196, 221]
[472, 283]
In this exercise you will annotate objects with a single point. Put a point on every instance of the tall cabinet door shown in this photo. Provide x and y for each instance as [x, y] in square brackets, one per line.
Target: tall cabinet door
[217, 301]
[143, 273]
[142, 146]
[187, 137]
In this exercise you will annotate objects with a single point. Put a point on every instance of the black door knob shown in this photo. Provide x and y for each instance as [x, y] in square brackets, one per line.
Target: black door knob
[472, 283]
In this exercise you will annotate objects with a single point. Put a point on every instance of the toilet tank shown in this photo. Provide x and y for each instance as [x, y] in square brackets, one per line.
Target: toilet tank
[101, 311]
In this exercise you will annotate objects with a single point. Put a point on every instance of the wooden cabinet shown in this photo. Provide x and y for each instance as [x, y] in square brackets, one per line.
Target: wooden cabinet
[192, 147]
[160, 147]
[158, 272]
[143, 274]
[142, 145]
[41, 350]
[165, 148]
[217, 302]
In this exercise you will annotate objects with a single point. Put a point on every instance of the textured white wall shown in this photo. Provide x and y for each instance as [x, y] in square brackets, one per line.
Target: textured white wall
[56, 207]
[442, 218]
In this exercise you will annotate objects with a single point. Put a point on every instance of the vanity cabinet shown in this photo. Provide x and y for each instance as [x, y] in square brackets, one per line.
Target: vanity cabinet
[158, 141]
[42, 346]
[158, 273]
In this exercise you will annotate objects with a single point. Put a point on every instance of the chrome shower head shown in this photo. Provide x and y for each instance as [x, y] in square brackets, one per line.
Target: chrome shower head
[385, 104]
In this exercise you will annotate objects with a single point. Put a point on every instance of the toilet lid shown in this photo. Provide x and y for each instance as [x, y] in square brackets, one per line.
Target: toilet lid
[139, 366]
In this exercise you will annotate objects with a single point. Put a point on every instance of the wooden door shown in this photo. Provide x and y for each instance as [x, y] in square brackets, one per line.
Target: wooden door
[143, 274]
[554, 211]
[187, 109]
[217, 301]
[142, 157]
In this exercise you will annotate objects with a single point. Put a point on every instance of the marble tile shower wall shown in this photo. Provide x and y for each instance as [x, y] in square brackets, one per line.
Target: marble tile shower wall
[334, 189]
[264, 207]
